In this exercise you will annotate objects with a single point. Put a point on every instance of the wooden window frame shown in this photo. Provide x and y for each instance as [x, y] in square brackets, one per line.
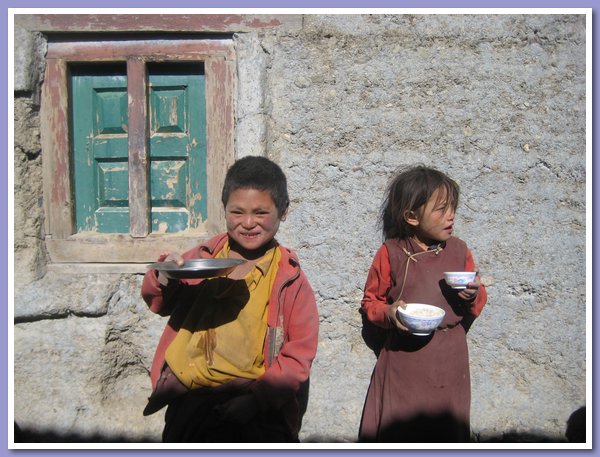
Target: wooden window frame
[63, 244]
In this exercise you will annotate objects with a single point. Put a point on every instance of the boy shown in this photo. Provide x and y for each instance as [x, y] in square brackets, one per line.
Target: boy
[234, 360]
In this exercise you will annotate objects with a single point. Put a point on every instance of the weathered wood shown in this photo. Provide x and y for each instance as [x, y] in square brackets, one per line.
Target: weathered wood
[73, 269]
[219, 62]
[139, 192]
[222, 23]
[220, 82]
[55, 147]
[96, 248]
[152, 50]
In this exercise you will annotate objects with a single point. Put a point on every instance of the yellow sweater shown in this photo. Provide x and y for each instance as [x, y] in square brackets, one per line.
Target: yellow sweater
[223, 335]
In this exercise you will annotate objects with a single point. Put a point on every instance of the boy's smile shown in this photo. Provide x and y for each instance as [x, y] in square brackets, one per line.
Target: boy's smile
[252, 218]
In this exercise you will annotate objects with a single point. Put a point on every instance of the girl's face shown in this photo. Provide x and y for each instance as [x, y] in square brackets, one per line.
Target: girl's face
[252, 218]
[433, 222]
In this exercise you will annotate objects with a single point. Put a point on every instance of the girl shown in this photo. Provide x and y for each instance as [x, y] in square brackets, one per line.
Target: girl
[420, 389]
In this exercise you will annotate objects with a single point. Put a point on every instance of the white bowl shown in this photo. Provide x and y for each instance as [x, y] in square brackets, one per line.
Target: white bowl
[459, 279]
[419, 318]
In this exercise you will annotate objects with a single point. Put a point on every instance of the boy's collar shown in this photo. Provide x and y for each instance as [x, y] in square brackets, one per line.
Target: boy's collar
[254, 253]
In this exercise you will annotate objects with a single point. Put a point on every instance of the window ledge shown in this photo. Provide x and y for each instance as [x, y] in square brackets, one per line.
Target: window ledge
[118, 249]
[72, 269]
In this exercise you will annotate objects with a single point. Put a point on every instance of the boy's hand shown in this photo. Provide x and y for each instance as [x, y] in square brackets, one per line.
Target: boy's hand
[169, 257]
[470, 293]
[394, 316]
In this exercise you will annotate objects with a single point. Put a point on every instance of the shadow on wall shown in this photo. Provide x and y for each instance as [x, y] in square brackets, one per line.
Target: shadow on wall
[576, 426]
[24, 435]
[438, 428]
[575, 433]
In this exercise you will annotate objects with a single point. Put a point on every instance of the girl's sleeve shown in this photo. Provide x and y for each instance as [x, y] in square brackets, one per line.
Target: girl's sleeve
[374, 303]
[481, 299]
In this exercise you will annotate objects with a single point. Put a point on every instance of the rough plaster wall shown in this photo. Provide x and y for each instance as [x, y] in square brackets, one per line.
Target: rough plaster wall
[251, 111]
[28, 218]
[497, 102]
[83, 345]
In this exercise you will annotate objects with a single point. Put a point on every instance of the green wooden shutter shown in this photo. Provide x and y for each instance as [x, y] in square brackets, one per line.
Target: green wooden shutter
[100, 152]
[177, 149]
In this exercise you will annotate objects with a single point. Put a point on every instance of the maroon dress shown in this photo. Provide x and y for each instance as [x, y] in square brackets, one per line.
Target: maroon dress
[420, 389]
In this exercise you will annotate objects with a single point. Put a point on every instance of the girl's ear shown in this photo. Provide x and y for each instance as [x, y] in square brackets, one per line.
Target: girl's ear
[411, 218]
[283, 216]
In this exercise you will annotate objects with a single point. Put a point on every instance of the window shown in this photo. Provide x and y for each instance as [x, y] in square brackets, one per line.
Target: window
[137, 136]
[173, 187]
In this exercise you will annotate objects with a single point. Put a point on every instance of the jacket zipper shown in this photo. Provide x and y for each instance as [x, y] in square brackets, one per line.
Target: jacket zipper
[273, 334]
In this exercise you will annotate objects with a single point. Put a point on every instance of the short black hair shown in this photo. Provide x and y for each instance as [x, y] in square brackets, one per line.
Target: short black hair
[260, 173]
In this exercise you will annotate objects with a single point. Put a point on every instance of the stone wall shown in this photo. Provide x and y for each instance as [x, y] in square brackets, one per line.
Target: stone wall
[498, 102]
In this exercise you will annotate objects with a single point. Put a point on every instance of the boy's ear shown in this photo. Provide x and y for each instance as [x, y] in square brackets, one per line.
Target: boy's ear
[283, 215]
[411, 218]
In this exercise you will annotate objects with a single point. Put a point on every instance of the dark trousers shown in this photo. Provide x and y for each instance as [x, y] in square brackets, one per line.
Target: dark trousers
[192, 418]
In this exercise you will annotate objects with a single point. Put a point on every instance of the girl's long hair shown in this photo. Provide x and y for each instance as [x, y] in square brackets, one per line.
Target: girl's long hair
[410, 189]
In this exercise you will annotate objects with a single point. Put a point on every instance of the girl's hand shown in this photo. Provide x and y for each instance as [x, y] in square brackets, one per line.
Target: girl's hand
[470, 293]
[394, 316]
[169, 257]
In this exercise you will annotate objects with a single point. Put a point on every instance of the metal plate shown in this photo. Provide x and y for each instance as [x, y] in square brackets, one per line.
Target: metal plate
[197, 268]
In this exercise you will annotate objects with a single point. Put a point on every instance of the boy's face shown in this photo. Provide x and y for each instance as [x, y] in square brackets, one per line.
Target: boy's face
[251, 217]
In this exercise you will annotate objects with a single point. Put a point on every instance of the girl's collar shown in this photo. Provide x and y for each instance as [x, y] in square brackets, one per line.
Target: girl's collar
[437, 247]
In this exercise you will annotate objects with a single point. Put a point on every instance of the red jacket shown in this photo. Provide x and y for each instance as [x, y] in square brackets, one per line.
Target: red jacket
[293, 324]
